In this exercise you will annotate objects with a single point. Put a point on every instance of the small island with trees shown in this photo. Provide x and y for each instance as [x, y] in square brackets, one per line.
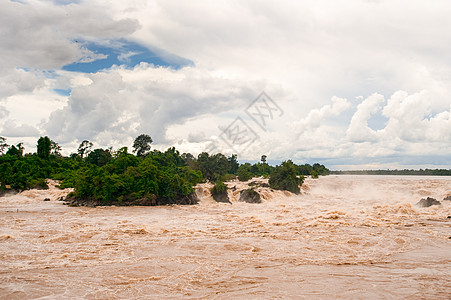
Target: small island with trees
[143, 177]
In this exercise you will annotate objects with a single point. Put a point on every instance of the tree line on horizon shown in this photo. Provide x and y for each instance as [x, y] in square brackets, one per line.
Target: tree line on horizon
[423, 172]
[117, 176]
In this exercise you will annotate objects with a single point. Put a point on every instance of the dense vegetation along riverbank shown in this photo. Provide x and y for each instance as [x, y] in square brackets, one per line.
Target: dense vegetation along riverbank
[143, 177]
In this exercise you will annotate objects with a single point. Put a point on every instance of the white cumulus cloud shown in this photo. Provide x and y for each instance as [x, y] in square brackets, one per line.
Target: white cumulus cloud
[358, 130]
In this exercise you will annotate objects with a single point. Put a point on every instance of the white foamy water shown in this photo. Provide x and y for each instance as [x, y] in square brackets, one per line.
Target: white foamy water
[343, 237]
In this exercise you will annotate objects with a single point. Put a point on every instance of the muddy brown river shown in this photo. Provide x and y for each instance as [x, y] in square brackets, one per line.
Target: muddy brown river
[344, 237]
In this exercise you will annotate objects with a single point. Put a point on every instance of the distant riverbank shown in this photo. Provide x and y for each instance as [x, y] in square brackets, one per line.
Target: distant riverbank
[420, 172]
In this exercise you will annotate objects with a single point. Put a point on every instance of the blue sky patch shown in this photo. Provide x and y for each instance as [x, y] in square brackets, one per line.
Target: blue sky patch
[377, 121]
[122, 52]
[66, 2]
[63, 92]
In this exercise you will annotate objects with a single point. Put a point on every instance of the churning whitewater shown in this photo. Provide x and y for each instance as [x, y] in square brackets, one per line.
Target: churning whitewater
[343, 236]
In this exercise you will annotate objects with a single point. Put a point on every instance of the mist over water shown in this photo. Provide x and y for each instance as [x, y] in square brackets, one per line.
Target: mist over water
[343, 237]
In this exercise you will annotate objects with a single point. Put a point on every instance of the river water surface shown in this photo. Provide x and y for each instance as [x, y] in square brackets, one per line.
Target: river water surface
[359, 237]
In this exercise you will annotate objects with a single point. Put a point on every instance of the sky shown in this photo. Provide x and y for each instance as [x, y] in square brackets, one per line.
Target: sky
[355, 84]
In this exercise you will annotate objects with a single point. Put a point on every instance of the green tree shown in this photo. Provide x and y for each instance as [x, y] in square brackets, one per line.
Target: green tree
[284, 178]
[13, 150]
[218, 188]
[55, 149]
[221, 164]
[262, 169]
[233, 162]
[305, 169]
[320, 169]
[84, 148]
[44, 146]
[3, 145]
[245, 172]
[141, 145]
[263, 159]
[20, 148]
[75, 156]
[214, 166]
[99, 157]
[189, 159]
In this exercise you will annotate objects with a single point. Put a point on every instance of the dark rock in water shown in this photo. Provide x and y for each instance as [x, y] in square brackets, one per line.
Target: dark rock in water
[153, 200]
[146, 201]
[190, 199]
[428, 202]
[447, 198]
[47, 199]
[221, 197]
[7, 192]
[258, 184]
[219, 192]
[250, 196]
